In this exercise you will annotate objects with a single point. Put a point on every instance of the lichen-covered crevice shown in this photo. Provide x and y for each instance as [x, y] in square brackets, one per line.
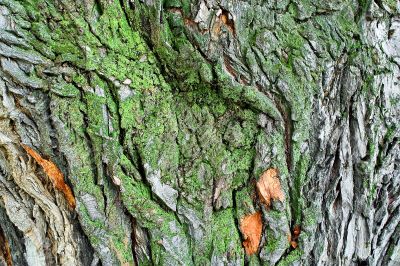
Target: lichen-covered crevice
[163, 115]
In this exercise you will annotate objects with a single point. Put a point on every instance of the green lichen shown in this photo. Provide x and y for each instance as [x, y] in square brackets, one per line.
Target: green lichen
[226, 237]
[294, 256]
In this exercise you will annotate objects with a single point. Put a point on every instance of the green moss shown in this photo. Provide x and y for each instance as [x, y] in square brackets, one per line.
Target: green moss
[293, 256]
[260, 101]
[272, 243]
[64, 89]
[244, 201]
[225, 235]
[310, 218]
[301, 176]
[392, 4]
[242, 159]
[391, 131]
[123, 250]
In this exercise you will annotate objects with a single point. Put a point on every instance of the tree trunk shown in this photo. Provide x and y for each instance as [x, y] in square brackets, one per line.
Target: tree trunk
[199, 132]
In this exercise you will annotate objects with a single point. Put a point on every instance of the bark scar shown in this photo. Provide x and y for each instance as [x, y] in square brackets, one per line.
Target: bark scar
[55, 175]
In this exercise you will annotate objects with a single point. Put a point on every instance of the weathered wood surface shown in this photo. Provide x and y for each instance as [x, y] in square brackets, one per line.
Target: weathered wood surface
[139, 132]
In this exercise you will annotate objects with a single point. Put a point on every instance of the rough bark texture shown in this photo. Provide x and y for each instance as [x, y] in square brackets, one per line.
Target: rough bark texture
[160, 117]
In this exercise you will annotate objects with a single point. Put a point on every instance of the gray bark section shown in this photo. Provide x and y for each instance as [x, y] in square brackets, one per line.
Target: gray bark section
[225, 90]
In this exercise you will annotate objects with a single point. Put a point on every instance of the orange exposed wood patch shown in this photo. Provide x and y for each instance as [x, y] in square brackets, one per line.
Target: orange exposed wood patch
[293, 239]
[55, 175]
[269, 187]
[216, 29]
[251, 228]
[227, 21]
[223, 19]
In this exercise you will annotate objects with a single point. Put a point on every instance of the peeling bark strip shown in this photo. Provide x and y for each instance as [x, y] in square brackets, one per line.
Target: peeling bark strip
[200, 132]
[55, 175]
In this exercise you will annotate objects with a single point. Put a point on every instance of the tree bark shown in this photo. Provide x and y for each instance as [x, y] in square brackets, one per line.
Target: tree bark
[176, 132]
